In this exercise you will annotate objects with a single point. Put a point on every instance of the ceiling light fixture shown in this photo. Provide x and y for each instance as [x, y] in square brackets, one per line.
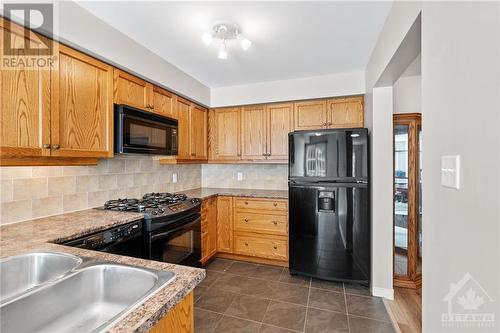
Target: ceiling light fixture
[224, 32]
[222, 51]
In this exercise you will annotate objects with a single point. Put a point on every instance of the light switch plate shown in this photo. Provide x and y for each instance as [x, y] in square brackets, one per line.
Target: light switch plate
[239, 176]
[174, 177]
[450, 171]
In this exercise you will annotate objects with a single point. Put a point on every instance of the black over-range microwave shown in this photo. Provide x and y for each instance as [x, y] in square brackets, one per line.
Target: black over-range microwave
[141, 132]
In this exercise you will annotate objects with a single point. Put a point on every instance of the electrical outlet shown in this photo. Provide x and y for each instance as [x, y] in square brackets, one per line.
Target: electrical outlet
[174, 177]
[239, 176]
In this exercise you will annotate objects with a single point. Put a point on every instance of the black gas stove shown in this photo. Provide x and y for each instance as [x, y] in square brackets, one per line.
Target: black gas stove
[171, 226]
[158, 208]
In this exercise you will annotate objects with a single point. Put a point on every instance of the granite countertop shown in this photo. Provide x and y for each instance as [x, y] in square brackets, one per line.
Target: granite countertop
[40, 234]
[206, 192]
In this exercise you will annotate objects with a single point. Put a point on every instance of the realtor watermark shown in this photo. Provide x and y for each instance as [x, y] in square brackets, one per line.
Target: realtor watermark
[469, 306]
[27, 37]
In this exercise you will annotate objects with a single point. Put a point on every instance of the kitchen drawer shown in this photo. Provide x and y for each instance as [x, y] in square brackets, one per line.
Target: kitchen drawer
[254, 222]
[272, 247]
[267, 204]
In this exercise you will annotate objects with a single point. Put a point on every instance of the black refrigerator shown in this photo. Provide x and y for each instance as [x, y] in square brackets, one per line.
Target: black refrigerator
[329, 204]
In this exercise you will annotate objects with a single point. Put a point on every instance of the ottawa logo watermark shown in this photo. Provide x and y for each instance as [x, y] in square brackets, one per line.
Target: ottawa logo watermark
[27, 36]
[468, 305]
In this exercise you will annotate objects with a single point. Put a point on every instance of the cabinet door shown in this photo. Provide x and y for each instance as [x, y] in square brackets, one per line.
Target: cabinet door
[346, 112]
[310, 115]
[82, 106]
[212, 226]
[225, 134]
[253, 133]
[182, 107]
[225, 224]
[279, 125]
[24, 101]
[131, 90]
[163, 103]
[198, 132]
[209, 228]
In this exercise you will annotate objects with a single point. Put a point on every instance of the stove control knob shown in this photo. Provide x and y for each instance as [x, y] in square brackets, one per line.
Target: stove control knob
[161, 210]
[154, 212]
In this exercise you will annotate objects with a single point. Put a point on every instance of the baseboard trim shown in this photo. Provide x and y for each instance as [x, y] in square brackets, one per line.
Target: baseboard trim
[383, 292]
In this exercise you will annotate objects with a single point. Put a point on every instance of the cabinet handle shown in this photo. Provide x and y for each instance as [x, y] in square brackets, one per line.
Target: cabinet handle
[56, 147]
[246, 202]
[193, 154]
[275, 247]
[275, 222]
[246, 244]
[246, 220]
[269, 154]
[46, 146]
[275, 204]
[239, 154]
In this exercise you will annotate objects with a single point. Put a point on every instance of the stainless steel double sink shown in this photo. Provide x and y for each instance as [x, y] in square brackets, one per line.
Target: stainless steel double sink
[58, 292]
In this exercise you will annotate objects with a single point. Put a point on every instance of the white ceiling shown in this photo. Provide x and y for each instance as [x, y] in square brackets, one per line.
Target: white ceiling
[290, 39]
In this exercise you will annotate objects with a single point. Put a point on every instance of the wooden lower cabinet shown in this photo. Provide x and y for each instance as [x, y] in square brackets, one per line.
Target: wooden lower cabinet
[265, 204]
[261, 222]
[208, 229]
[225, 224]
[260, 245]
[180, 319]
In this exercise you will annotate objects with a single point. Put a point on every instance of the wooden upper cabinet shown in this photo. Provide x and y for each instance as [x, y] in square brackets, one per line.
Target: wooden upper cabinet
[131, 90]
[346, 112]
[163, 103]
[253, 132]
[224, 128]
[182, 107]
[82, 106]
[310, 115]
[24, 102]
[198, 132]
[280, 123]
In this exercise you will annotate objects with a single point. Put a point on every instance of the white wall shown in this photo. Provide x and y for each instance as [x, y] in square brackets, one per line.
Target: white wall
[408, 94]
[378, 118]
[461, 99]
[285, 90]
[381, 168]
[80, 29]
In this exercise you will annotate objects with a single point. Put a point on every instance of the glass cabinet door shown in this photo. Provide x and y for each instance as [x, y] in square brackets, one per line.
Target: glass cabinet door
[407, 200]
[401, 199]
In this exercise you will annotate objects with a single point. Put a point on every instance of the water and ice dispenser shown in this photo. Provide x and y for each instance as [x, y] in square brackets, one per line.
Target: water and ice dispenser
[326, 201]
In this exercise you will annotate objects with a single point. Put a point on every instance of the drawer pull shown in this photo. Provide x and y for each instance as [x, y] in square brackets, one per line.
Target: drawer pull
[246, 202]
[246, 244]
[275, 247]
[275, 204]
[246, 220]
[275, 222]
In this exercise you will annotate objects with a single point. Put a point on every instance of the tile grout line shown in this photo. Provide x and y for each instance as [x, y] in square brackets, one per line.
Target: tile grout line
[246, 319]
[346, 310]
[307, 304]
[301, 305]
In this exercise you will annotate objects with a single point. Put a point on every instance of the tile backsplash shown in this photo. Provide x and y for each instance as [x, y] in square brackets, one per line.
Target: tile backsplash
[33, 192]
[261, 176]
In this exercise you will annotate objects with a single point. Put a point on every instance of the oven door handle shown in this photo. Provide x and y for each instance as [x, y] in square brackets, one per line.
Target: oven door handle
[166, 233]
